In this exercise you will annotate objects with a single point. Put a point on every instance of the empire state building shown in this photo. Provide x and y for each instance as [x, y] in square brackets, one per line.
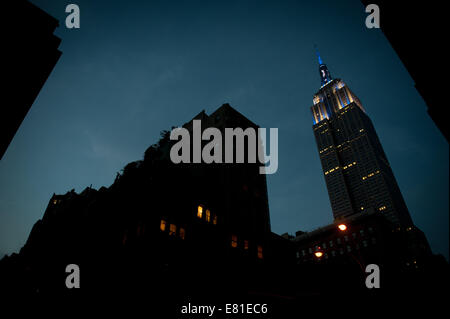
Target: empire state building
[356, 170]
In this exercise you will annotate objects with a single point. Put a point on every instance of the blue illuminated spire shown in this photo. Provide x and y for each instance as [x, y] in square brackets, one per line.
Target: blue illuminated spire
[325, 75]
[318, 55]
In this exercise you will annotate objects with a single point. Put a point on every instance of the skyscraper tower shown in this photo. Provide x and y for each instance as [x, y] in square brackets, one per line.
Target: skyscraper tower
[357, 172]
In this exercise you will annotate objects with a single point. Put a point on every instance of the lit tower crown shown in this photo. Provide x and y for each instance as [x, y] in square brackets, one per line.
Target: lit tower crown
[325, 75]
[333, 95]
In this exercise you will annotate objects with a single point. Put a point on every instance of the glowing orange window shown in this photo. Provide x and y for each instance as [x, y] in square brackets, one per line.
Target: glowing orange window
[162, 226]
[233, 241]
[199, 211]
[208, 215]
[182, 233]
[260, 252]
[172, 229]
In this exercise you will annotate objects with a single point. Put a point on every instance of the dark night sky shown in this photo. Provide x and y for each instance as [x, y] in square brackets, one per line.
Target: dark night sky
[136, 68]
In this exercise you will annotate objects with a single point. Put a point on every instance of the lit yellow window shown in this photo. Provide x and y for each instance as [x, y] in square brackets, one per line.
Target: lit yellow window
[233, 241]
[215, 219]
[182, 233]
[55, 202]
[162, 226]
[172, 229]
[245, 244]
[208, 215]
[260, 252]
[199, 211]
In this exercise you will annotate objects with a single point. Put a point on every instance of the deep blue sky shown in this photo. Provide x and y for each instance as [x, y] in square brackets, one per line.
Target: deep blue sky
[136, 68]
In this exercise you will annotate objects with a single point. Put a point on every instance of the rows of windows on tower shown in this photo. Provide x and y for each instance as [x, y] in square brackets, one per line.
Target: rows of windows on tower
[356, 170]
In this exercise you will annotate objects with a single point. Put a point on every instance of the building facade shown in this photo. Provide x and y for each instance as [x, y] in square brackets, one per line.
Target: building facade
[356, 170]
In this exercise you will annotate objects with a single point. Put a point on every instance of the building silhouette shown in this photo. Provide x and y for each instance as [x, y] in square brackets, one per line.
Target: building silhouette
[357, 172]
[32, 52]
[185, 230]
[345, 248]
[412, 30]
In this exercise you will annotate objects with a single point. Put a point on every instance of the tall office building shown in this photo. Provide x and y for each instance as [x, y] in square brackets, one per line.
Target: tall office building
[357, 172]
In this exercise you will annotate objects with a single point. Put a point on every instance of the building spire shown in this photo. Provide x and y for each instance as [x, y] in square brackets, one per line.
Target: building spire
[325, 75]
[318, 55]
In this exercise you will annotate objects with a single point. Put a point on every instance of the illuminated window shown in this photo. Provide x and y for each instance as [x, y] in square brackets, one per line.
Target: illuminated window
[162, 226]
[214, 219]
[260, 252]
[172, 229]
[199, 211]
[208, 215]
[233, 241]
[55, 201]
[245, 244]
[182, 233]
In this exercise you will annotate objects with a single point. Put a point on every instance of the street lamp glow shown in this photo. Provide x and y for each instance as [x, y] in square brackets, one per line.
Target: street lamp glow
[342, 227]
[318, 254]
